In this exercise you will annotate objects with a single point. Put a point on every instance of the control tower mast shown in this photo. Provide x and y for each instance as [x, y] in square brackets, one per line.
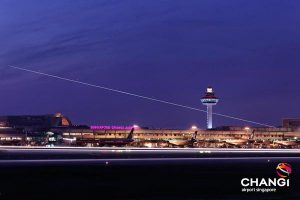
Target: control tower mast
[209, 100]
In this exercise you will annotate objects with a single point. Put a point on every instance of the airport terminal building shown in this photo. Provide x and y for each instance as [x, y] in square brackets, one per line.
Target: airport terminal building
[57, 129]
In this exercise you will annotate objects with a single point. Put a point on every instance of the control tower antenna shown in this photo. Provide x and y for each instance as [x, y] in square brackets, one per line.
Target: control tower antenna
[209, 100]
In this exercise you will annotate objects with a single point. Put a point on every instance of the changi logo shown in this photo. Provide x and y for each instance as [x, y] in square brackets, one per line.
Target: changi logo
[284, 170]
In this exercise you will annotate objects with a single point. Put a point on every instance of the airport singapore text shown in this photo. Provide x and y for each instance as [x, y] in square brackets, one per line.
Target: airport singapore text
[263, 185]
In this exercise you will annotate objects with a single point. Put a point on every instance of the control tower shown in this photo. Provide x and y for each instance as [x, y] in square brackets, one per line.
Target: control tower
[209, 100]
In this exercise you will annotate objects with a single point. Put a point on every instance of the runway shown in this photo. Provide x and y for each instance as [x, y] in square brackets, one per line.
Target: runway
[138, 156]
[136, 173]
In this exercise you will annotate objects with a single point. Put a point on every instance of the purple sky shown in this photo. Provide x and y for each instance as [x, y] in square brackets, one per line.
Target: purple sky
[249, 51]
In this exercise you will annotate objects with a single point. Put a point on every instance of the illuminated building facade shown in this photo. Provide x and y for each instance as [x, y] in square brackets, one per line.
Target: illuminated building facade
[58, 130]
[30, 129]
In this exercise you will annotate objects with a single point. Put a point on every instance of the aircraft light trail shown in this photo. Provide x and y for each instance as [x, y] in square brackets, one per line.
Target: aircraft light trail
[137, 95]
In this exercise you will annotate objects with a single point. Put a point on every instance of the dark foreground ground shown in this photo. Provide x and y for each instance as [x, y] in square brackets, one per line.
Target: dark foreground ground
[141, 174]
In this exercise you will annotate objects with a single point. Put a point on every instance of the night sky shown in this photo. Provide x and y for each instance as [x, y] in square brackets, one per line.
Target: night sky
[249, 51]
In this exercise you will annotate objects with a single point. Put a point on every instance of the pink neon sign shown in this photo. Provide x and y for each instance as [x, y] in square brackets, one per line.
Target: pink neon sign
[101, 127]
